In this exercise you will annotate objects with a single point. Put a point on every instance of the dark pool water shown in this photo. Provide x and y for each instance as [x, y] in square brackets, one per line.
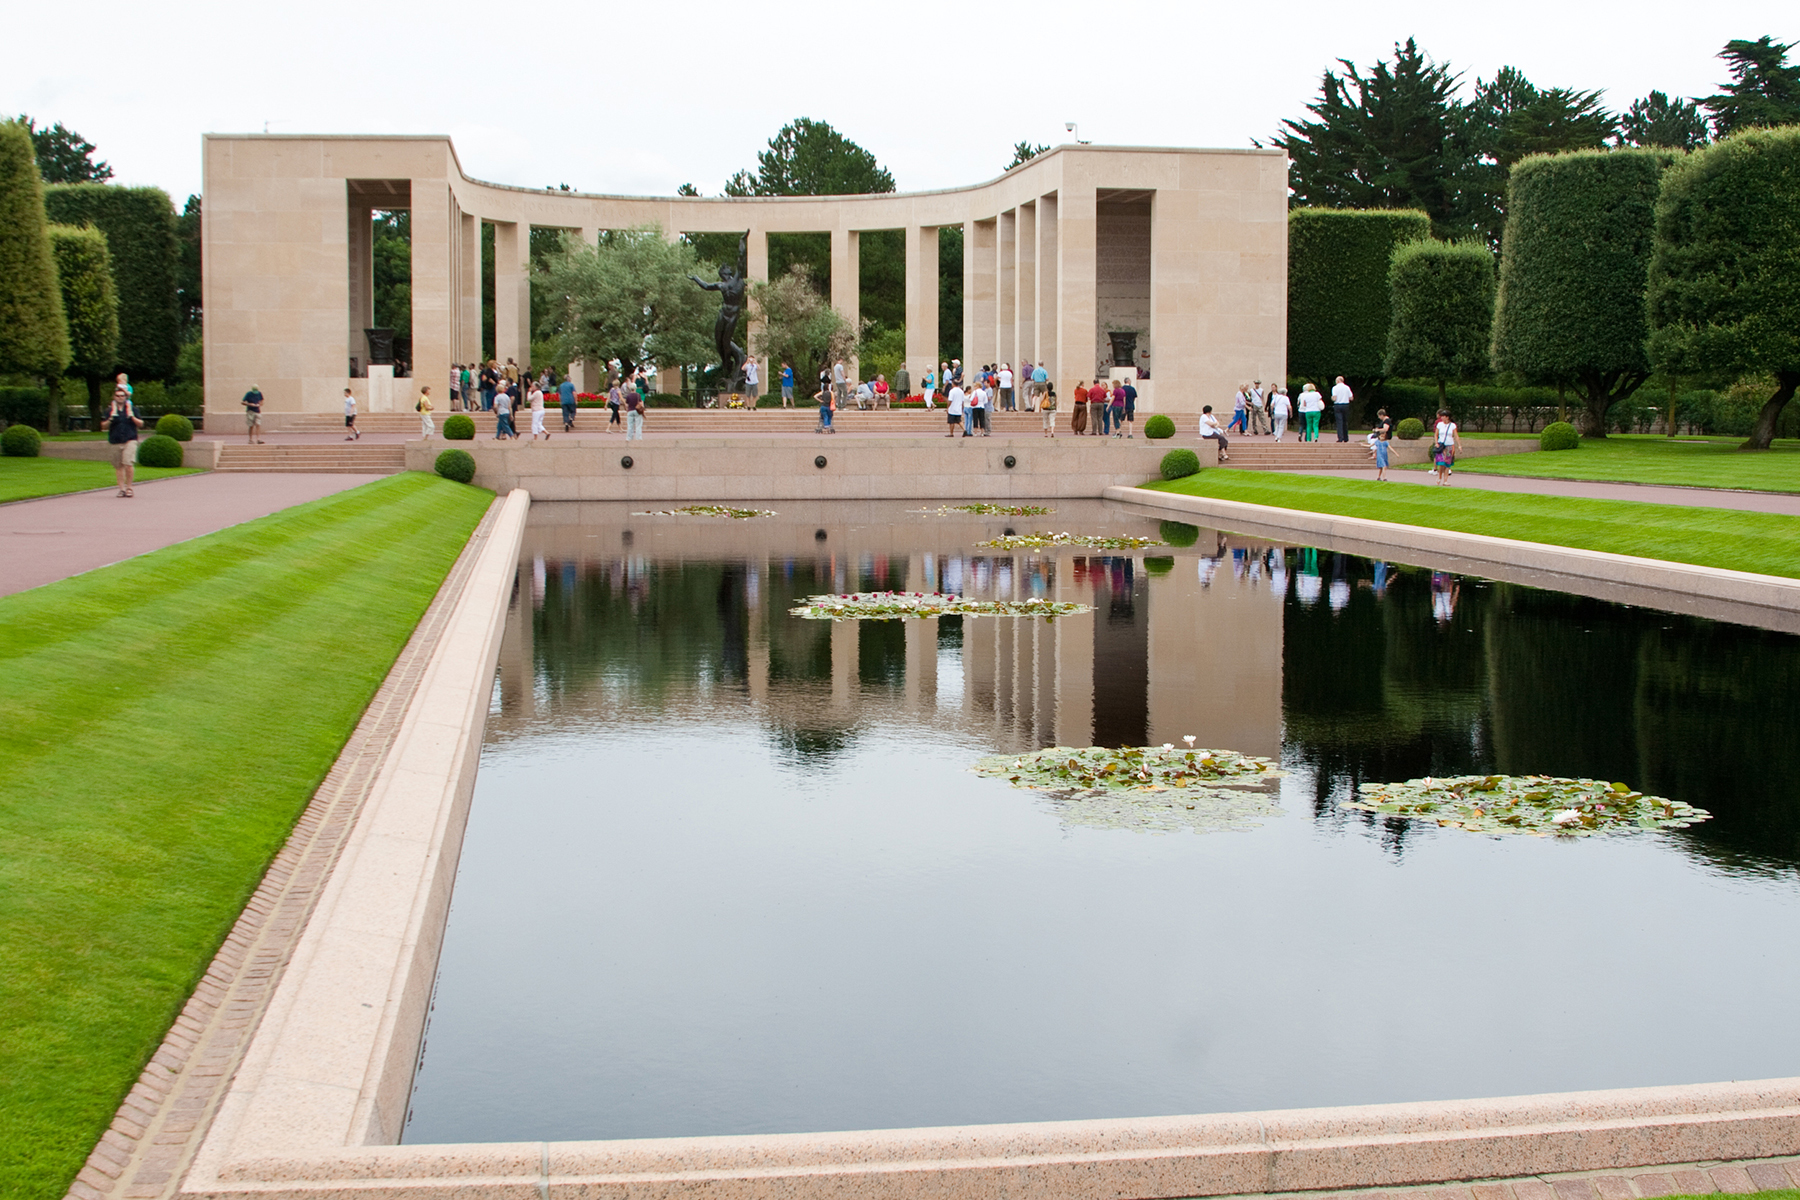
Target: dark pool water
[726, 870]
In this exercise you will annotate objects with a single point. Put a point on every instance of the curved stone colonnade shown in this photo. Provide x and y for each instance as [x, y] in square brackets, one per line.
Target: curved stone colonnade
[1186, 249]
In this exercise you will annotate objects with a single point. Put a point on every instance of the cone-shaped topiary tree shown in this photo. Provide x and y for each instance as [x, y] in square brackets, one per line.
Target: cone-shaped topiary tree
[34, 337]
[1443, 304]
[1572, 268]
[91, 307]
[1724, 294]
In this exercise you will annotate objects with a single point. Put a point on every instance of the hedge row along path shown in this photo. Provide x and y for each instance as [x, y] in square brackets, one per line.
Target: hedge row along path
[163, 723]
[54, 538]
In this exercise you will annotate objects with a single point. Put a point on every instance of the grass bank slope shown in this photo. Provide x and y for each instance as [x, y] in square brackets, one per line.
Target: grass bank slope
[1712, 463]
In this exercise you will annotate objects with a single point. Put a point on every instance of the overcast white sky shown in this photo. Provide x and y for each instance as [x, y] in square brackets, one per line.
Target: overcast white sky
[639, 98]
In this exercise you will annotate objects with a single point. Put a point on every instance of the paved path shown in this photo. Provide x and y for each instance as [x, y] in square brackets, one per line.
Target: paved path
[58, 536]
[1644, 493]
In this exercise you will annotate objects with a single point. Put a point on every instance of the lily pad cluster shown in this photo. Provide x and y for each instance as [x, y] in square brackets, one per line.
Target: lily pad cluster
[1156, 788]
[1044, 541]
[708, 510]
[891, 606]
[989, 510]
[1539, 805]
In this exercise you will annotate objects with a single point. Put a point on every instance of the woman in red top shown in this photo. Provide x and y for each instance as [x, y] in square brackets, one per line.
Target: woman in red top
[881, 391]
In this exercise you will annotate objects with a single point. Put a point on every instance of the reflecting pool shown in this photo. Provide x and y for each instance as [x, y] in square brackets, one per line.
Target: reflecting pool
[726, 870]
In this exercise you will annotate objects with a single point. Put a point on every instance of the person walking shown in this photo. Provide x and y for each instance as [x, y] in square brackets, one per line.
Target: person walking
[535, 399]
[1118, 408]
[122, 425]
[954, 408]
[1443, 446]
[1312, 404]
[615, 403]
[1130, 408]
[827, 403]
[1240, 415]
[422, 406]
[1006, 387]
[565, 392]
[455, 387]
[1341, 395]
[1046, 406]
[467, 379]
[787, 385]
[1384, 433]
[350, 416]
[252, 402]
[634, 415]
[1209, 428]
[1280, 409]
[503, 405]
[928, 388]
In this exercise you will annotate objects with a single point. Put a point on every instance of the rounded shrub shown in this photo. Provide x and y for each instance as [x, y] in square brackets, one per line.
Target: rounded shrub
[456, 464]
[1559, 435]
[176, 426]
[1160, 564]
[1410, 430]
[459, 427]
[1159, 427]
[1177, 464]
[21, 441]
[159, 450]
[1178, 533]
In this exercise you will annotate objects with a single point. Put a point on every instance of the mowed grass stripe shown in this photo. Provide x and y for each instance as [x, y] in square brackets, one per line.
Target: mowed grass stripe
[1766, 543]
[163, 722]
[29, 478]
[1679, 462]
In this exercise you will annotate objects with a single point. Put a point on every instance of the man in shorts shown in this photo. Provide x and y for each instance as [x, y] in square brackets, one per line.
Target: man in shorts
[350, 417]
[253, 401]
[122, 424]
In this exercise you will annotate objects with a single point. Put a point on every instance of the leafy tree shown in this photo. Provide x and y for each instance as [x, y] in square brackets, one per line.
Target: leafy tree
[1443, 303]
[810, 158]
[187, 277]
[1510, 118]
[1024, 152]
[139, 224]
[1395, 138]
[1764, 90]
[799, 326]
[34, 337]
[91, 307]
[1571, 299]
[950, 292]
[629, 298]
[1338, 299]
[391, 249]
[64, 156]
[1724, 284]
[1657, 120]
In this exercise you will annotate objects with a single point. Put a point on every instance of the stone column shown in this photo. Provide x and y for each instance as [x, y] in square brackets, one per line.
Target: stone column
[469, 344]
[1074, 661]
[846, 282]
[921, 300]
[921, 664]
[512, 293]
[1077, 302]
[844, 673]
[979, 260]
[1047, 308]
[435, 231]
[1006, 309]
[1025, 269]
[756, 256]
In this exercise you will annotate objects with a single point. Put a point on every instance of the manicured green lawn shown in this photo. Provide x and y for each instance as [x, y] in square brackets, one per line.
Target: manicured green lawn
[163, 722]
[25, 478]
[1767, 543]
[1712, 462]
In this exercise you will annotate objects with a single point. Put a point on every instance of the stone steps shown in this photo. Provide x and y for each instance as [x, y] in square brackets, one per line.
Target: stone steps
[330, 460]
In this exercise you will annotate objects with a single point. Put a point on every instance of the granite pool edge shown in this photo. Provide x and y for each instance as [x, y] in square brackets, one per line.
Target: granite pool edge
[1767, 601]
[322, 1091]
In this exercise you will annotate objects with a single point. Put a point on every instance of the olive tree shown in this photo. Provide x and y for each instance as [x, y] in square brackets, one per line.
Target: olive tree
[1724, 287]
[628, 297]
[797, 325]
[34, 337]
[1573, 264]
[84, 275]
[1443, 305]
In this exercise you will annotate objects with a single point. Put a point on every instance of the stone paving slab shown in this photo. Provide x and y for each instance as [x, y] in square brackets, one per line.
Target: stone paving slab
[58, 536]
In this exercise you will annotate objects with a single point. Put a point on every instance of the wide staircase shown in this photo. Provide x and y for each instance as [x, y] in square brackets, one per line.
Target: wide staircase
[349, 459]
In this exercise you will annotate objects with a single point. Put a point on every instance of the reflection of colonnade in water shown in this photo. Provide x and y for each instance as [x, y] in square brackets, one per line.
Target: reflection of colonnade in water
[1179, 648]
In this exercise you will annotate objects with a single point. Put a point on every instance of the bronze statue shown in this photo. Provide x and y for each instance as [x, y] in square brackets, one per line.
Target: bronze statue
[730, 287]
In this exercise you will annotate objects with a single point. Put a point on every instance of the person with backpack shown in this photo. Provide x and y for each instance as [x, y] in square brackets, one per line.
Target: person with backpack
[122, 424]
[1046, 406]
[422, 406]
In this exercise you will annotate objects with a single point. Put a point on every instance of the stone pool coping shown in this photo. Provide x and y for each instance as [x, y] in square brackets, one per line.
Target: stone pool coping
[1743, 597]
[320, 1094]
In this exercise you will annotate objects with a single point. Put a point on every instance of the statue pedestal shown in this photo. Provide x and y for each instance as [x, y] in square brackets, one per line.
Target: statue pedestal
[381, 389]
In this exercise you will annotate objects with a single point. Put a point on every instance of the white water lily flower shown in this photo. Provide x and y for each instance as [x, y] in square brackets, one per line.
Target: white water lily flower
[1567, 816]
[1168, 745]
[1189, 739]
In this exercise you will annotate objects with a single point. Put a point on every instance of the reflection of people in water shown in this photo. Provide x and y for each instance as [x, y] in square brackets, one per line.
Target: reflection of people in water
[1307, 583]
[1443, 596]
[1381, 580]
[1209, 563]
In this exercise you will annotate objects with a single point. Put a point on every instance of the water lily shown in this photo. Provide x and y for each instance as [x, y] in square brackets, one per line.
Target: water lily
[1189, 739]
[1567, 816]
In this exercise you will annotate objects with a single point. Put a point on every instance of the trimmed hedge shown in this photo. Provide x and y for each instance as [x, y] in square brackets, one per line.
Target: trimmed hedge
[1443, 301]
[21, 441]
[176, 426]
[459, 427]
[1160, 564]
[1410, 430]
[1178, 533]
[90, 304]
[139, 224]
[1338, 305]
[458, 465]
[159, 450]
[1180, 463]
[1159, 427]
[1558, 435]
[34, 338]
